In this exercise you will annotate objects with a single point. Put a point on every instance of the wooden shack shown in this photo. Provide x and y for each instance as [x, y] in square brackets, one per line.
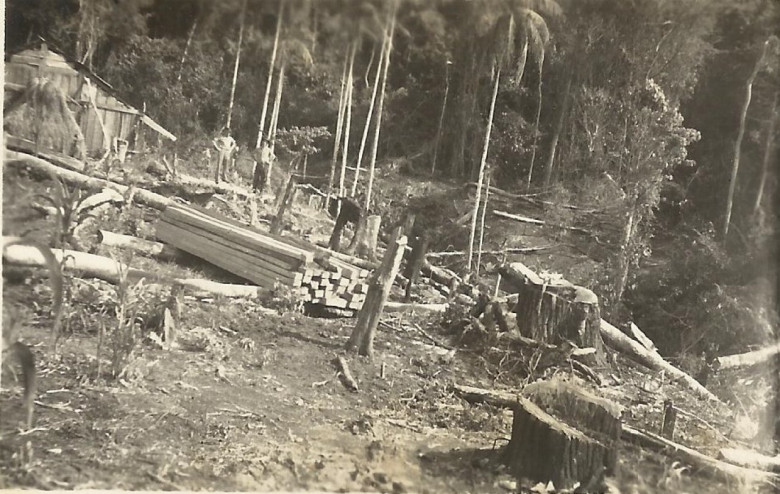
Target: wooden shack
[92, 100]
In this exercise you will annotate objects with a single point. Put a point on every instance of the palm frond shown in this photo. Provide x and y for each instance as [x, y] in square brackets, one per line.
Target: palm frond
[295, 49]
[549, 8]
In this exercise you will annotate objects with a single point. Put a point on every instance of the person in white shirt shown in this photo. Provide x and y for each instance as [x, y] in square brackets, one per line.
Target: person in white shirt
[225, 146]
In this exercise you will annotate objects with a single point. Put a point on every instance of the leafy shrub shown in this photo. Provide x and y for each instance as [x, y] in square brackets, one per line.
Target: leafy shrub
[697, 302]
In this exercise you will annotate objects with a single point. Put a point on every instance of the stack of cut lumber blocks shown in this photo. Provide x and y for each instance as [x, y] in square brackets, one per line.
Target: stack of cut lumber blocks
[265, 259]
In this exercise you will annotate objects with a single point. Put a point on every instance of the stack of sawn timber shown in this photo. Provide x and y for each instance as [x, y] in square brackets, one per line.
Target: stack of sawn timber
[263, 258]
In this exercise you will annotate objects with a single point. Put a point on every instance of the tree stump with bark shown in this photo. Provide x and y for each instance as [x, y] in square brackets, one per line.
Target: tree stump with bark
[380, 283]
[563, 434]
[415, 262]
[553, 311]
[289, 194]
[366, 244]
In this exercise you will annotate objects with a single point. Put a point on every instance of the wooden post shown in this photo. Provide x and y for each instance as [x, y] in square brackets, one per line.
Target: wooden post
[415, 262]
[367, 244]
[380, 283]
[289, 193]
[669, 420]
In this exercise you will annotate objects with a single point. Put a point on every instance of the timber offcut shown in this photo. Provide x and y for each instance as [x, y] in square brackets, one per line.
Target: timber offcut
[267, 260]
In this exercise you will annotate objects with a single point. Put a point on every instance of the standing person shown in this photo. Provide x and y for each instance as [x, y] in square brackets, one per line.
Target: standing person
[263, 160]
[225, 146]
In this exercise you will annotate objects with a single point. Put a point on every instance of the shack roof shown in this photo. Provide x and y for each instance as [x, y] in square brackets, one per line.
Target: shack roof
[57, 55]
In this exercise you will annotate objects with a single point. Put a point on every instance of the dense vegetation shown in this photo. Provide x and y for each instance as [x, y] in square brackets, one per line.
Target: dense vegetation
[632, 108]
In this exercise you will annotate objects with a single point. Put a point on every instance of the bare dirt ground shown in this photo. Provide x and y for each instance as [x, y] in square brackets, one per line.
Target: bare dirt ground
[251, 400]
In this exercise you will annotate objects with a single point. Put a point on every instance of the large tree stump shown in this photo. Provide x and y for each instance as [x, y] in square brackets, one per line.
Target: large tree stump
[555, 310]
[563, 434]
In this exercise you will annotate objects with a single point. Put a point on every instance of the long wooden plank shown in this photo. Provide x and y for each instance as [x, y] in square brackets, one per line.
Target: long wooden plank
[280, 241]
[198, 218]
[221, 257]
[198, 226]
[267, 264]
[180, 213]
[225, 248]
[212, 253]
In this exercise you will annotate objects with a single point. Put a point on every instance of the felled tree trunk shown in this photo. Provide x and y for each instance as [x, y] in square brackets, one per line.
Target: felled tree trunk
[552, 312]
[565, 435]
[142, 246]
[379, 288]
[110, 270]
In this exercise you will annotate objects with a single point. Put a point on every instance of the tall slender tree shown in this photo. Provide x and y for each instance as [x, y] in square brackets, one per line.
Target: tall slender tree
[347, 118]
[370, 114]
[269, 80]
[381, 104]
[740, 134]
[768, 148]
[436, 141]
[339, 127]
[235, 66]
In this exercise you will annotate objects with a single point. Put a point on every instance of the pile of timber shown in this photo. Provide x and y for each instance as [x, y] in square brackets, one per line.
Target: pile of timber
[312, 272]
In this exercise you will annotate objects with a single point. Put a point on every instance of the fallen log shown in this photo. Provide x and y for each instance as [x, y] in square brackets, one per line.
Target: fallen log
[142, 246]
[701, 462]
[23, 145]
[748, 359]
[750, 459]
[110, 270]
[534, 221]
[47, 169]
[499, 399]
[653, 360]
[510, 250]
[410, 307]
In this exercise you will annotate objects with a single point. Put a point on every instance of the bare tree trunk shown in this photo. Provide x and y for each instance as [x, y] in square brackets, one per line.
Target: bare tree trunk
[368, 118]
[536, 124]
[624, 259]
[378, 291]
[186, 49]
[767, 155]
[483, 161]
[548, 169]
[738, 143]
[235, 67]
[482, 221]
[381, 105]
[348, 120]
[371, 62]
[441, 116]
[339, 125]
[275, 114]
[289, 193]
[268, 83]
